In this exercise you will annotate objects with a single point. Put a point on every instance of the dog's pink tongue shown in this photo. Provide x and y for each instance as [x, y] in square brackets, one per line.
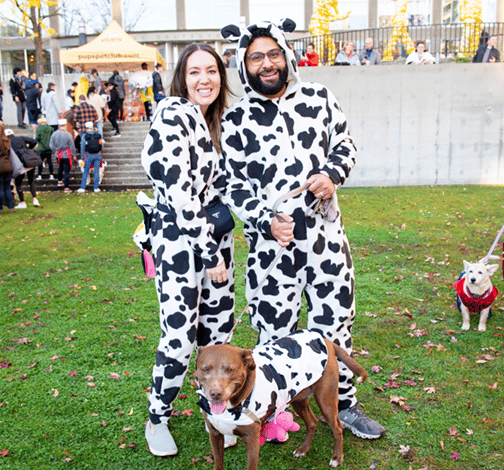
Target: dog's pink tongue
[218, 407]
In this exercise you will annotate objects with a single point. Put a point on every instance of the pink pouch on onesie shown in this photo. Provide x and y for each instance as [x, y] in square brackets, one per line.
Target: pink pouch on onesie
[148, 262]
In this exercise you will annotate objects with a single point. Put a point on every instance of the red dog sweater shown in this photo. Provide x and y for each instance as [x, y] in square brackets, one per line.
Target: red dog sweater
[475, 304]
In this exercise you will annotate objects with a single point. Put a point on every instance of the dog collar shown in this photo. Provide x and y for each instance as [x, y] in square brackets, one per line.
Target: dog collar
[236, 411]
[475, 296]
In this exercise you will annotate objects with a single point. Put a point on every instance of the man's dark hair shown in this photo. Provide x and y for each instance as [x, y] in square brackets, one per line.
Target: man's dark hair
[16, 70]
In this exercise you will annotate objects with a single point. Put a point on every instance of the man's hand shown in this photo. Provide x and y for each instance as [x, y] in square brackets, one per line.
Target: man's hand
[16, 99]
[281, 229]
[218, 274]
[321, 186]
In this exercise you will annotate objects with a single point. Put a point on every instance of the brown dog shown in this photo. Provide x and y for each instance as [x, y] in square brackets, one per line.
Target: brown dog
[240, 388]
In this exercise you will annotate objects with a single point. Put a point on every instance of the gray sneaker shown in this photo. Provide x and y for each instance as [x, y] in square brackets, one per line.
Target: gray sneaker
[356, 420]
[159, 440]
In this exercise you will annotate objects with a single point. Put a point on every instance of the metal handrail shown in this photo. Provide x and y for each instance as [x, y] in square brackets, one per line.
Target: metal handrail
[442, 39]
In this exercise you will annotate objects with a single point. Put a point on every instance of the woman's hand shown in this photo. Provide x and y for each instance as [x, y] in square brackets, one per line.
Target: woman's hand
[321, 186]
[218, 274]
[281, 229]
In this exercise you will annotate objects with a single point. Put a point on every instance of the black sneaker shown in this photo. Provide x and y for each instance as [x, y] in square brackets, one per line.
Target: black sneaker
[356, 420]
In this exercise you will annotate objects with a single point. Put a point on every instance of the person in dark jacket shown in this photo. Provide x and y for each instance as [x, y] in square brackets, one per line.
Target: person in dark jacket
[43, 137]
[17, 91]
[488, 52]
[1, 100]
[6, 169]
[32, 79]
[18, 144]
[33, 105]
[157, 84]
[114, 106]
[118, 81]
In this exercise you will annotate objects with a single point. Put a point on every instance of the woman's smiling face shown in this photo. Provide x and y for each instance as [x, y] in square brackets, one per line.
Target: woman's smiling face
[202, 79]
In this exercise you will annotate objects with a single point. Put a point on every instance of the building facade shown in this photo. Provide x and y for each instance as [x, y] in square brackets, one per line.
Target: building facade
[212, 14]
[172, 24]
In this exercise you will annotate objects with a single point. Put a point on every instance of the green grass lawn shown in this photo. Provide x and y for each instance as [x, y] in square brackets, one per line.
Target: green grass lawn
[80, 327]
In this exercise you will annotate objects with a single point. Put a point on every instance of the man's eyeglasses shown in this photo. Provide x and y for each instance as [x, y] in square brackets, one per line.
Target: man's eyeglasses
[257, 58]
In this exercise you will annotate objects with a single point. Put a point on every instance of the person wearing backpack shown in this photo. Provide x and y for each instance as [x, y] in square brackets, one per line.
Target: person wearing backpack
[92, 156]
[63, 147]
[43, 137]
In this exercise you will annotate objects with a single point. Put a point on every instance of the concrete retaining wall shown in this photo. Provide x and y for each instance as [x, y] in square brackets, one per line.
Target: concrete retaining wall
[413, 125]
[418, 125]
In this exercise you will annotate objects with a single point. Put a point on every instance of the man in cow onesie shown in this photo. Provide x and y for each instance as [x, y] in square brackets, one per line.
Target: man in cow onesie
[282, 133]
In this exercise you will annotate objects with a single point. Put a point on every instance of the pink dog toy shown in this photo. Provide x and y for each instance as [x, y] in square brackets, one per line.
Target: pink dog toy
[277, 428]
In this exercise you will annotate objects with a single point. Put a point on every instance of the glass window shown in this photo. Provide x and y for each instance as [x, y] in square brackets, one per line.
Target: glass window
[211, 14]
[451, 11]
[276, 10]
[157, 15]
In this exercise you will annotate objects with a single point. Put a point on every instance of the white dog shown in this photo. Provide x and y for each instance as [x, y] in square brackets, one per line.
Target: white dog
[475, 292]
[102, 171]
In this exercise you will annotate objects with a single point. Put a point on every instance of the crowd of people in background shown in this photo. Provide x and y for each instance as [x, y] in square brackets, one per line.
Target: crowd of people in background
[370, 55]
[63, 132]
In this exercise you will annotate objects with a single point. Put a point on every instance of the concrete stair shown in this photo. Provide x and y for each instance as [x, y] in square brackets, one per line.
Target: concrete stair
[122, 155]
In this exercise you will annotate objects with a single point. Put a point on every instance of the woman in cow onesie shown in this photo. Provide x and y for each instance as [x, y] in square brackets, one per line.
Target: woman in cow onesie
[194, 273]
[282, 133]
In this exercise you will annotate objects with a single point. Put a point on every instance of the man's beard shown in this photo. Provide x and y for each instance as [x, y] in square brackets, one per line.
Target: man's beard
[266, 88]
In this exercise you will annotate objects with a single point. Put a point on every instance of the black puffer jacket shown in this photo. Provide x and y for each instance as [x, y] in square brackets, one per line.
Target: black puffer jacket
[21, 142]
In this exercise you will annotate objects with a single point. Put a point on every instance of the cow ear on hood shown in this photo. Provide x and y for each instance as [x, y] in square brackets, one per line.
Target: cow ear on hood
[231, 32]
[287, 25]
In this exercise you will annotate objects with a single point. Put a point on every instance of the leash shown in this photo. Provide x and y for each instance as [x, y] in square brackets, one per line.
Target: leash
[492, 248]
[311, 210]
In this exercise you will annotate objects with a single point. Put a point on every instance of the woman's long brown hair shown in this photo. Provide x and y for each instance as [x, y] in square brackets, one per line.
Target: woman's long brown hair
[215, 111]
[5, 139]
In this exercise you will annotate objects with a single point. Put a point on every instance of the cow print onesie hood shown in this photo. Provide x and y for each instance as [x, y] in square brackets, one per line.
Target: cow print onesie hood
[233, 32]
